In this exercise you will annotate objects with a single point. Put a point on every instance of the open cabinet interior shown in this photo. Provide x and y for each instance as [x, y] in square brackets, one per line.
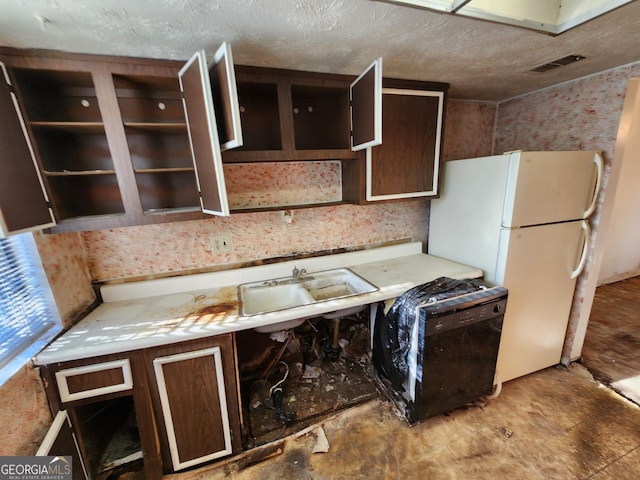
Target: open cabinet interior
[320, 117]
[110, 437]
[63, 114]
[158, 141]
[294, 378]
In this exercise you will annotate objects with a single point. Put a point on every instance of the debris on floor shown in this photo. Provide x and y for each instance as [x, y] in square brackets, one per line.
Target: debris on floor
[316, 383]
[322, 444]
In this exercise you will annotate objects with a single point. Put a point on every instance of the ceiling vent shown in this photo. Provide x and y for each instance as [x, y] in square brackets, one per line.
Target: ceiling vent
[558, 63]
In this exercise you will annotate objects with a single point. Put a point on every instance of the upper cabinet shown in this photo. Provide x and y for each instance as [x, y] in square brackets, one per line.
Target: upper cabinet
[290, 115]
[108, 143]
[407, 163]
[222, 76]
[102, 142]
[153, 144]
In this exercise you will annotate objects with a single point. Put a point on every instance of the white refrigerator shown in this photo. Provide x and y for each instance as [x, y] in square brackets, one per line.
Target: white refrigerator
[521, 218]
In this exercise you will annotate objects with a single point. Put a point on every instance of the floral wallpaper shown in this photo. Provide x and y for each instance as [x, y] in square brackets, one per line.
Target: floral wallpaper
[468, 129]
[24, 413]
[64, 261]
[269, 184]
[579, 115]
[173, 247]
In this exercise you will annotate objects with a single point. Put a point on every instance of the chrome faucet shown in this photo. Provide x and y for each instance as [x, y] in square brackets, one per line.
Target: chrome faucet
[298, 273]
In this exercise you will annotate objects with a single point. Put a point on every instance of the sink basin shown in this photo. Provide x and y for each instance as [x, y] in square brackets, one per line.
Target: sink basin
[338, 283]
[284, 293]
[263, 298]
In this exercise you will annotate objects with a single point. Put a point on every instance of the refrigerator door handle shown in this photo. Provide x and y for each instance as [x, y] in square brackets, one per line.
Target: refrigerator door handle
[597, 159]
[585, 247]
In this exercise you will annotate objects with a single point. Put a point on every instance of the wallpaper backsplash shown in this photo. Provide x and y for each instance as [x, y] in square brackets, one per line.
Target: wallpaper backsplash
[183, 246]
[269, 184]
[65, 264]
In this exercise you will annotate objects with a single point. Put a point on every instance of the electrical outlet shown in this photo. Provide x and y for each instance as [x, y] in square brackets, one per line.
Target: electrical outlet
[221, 243]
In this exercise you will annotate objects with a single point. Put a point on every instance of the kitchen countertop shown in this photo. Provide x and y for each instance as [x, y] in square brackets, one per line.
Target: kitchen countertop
[159, 312]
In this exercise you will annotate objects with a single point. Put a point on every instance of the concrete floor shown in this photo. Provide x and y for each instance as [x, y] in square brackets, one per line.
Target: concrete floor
[553, 424]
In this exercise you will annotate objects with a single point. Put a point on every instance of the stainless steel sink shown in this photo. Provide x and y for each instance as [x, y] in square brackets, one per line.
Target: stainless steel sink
[288, 292]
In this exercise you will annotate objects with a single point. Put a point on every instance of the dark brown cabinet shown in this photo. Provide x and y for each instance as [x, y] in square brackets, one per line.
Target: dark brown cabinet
[65, 126]
[195, 396]
[300, 125]
[289, 115]
[110, 140]
[172, 406]
[407, 163]
[108, 404]
[118, 141]
[158, 142]
[60, 441]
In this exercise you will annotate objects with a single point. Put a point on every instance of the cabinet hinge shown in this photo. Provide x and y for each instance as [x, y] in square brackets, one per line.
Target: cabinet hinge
[49, 205]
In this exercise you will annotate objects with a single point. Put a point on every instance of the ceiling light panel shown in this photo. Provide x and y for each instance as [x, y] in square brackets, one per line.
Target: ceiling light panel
[547, 16]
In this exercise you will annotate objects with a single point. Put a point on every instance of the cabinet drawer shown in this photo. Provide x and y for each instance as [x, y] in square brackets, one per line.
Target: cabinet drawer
[94, 380]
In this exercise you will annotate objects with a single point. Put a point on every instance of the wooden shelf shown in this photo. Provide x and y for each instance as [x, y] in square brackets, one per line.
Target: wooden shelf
[237, 156]
[176, 127]
[80, 127]
[78, 173]
[286, 207]
[165, 170]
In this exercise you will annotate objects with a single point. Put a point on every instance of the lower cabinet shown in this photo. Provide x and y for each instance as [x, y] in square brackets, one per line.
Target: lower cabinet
[170, 407]
[194, 394]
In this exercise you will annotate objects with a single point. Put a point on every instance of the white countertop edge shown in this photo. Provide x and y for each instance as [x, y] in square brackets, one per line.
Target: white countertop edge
[392, 280]
[234, 324]
[188, 283]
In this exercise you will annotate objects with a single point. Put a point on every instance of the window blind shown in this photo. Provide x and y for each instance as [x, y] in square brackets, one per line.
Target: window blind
[29, 318]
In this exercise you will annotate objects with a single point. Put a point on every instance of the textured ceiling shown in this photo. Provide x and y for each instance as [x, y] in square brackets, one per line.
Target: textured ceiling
[481, 60]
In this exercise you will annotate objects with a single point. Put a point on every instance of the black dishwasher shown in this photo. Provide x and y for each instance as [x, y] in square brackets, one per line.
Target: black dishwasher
[436, 347]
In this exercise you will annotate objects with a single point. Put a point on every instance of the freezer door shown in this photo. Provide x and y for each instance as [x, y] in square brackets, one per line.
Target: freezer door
[547, 187]
[536, 265]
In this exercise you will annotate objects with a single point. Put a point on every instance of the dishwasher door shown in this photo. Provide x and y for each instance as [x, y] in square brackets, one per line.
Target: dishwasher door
[438, 352]
[455, 357]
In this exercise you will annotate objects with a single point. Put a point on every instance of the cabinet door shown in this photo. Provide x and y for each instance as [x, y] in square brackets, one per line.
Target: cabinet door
[365, 95]
[203, 134]
[407, 164]
[23, 200]
[61, 442]
[225, 98]
[193, 395]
